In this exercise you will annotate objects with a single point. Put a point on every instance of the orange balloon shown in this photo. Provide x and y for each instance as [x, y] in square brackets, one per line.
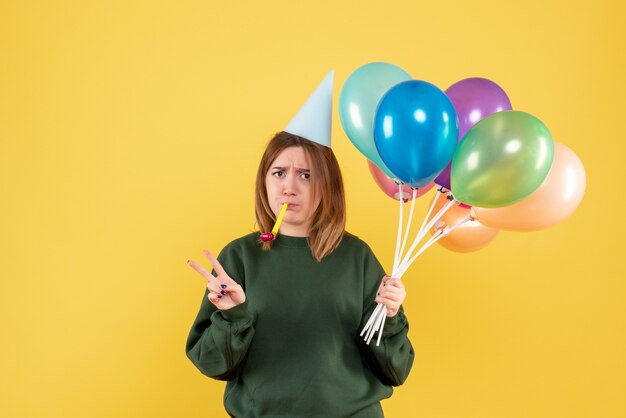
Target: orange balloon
[557, 197]
[471, 236]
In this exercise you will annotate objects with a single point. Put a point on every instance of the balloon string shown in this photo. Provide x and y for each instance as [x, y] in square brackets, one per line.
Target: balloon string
[432, 206]
[408, 226]
[375, 323]
[396, 258]
[371, 319]
[378, 324]
[404, 267]
[382, 326]
[441, 233]
[421, 234]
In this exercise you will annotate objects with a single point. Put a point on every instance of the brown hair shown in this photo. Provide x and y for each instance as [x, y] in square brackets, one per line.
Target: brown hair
[329, 220]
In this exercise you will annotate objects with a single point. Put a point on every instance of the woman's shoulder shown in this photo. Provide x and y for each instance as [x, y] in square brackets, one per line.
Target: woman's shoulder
[352, 241]
[246, 241]
[361, 253]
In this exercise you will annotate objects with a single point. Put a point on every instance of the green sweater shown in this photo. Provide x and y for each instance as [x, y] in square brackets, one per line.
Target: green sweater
[293, 348]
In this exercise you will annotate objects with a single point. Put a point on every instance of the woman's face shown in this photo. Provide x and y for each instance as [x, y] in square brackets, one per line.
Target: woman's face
[290, 180]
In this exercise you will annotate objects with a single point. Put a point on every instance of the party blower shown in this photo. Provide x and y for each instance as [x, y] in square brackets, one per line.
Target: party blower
[271, 236]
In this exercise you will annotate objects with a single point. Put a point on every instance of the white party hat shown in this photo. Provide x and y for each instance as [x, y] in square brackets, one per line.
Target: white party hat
[314, 120]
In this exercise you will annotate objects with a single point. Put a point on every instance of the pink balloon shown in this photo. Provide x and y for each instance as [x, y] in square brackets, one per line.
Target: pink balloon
[557, 197]
[390, 187]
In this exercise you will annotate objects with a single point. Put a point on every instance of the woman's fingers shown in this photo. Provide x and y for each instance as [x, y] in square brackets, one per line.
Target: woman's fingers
[215, 287]
[197, 267]
[223, 292]
[395, 282]
[220, 274]
[214, 299]
[391, 296]
[216, 264]
[204, 272]
[392, 307]
[390, 283]
[391, 293]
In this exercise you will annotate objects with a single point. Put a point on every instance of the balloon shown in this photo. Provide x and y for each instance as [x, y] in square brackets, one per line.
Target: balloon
[501, 160]
[473, 99]
[415, 131]
[470, 236]
[390, 187]
[557, 197]
[357, 104]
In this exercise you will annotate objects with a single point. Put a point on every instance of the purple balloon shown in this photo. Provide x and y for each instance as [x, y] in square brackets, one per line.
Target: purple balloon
[473, 99]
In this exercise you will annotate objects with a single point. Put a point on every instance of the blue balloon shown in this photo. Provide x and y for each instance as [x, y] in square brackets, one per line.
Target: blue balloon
[415, 131]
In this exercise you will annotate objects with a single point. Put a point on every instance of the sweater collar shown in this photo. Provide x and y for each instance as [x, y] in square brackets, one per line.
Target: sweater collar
[287, 241]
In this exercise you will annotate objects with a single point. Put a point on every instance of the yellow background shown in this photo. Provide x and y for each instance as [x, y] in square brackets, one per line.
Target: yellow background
[130, 133]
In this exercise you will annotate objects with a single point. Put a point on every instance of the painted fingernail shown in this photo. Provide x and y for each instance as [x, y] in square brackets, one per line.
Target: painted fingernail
[188, 261]
[219, 296]
[223, 286]
[223, 293]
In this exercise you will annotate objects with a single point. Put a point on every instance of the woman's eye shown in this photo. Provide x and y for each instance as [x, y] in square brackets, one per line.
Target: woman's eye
[306, 176]
[278, 173]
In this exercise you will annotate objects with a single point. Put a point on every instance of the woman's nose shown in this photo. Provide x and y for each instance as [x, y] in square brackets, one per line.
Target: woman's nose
[289, 186]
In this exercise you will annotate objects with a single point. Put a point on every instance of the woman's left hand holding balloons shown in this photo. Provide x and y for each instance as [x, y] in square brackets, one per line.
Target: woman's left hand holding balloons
[391, 293]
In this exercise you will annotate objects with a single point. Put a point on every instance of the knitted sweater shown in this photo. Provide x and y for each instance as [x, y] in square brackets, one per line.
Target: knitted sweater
[293, 348]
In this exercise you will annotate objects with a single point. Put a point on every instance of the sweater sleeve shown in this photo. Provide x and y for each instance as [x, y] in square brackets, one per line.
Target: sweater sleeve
[219, 340]
[391, 361]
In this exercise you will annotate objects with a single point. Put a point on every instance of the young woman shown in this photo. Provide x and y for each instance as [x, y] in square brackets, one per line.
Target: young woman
[280, 320]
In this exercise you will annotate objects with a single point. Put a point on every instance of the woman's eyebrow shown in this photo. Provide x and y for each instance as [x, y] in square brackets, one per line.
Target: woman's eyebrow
[301, 170]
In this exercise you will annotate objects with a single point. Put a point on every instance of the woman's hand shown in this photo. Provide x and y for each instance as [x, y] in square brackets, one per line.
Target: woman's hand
[224, 292]
[391, 293]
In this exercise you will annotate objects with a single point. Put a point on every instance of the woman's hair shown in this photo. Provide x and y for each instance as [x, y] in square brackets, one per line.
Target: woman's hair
[329, 220]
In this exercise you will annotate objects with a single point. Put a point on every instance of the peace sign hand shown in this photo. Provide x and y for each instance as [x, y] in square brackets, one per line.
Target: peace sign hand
[224, 292]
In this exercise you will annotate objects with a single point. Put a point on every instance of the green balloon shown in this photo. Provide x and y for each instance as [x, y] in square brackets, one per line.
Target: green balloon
[501, 160]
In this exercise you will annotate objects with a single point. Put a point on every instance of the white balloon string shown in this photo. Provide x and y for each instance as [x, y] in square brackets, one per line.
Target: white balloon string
[423, 232]
[371, 319]
[419, 233]
[408, 225]
[382, 326]
[441, 233]
[372, 328]
[396, 258]
[458, 224]
[376, 321]
[377, 324]
[404, 267]
[432, 206]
